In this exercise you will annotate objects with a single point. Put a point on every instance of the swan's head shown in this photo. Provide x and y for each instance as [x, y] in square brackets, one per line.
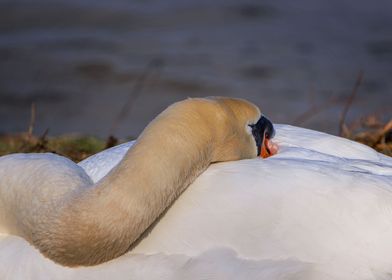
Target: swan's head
[224, 128]
[263, 131]
[245, 131]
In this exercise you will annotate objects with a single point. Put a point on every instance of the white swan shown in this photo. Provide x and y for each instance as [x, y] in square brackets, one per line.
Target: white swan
[319, 209]
[55, 206]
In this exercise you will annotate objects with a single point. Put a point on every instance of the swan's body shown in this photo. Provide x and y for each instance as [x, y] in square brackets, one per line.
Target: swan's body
[319, 209]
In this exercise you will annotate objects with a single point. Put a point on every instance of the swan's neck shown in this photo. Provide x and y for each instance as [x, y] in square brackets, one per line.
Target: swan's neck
[105, 221]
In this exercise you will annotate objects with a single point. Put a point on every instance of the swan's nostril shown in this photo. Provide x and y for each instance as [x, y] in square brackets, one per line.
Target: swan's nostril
[267, 135]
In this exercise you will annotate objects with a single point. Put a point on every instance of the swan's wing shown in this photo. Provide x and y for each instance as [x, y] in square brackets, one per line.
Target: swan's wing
[98, 165]
[288, 136]
[18, 260]
[304, 203]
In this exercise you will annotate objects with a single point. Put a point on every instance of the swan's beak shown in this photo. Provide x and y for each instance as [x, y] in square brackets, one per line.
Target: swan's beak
[268, 148]
[263, 131]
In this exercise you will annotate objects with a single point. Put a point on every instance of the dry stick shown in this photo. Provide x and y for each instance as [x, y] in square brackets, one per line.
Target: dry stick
[349, 102]
[32, 121]
[134, 94]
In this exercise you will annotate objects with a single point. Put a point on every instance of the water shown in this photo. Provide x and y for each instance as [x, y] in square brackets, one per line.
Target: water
[78, 61]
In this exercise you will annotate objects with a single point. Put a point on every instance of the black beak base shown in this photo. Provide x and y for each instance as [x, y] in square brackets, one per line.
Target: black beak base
[263, 128]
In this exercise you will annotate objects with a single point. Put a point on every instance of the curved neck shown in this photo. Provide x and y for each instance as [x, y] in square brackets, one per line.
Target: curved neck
[104, 221]
[151, 177]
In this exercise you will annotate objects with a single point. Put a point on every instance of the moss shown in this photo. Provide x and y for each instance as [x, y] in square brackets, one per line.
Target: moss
[76, 148]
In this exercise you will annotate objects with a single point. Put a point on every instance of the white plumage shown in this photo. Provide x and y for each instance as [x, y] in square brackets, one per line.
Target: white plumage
[319, 209]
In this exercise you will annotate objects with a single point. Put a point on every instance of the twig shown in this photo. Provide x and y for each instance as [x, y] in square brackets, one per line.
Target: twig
[135, 92]
[349, 102]
[32, 120]
[111, 142]
[42, 143]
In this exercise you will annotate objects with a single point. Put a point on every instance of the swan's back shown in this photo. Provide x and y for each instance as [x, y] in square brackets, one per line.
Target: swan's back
[322, 200]
[98, 165]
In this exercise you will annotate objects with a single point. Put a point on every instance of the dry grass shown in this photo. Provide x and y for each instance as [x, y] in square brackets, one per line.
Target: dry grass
[74, 147]
[369, 131]
[372, 132]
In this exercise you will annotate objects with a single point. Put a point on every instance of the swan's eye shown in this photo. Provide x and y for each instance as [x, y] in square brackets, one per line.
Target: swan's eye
[251, 129]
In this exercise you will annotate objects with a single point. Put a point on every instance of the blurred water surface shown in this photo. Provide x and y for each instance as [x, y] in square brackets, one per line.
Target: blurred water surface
[79, 61]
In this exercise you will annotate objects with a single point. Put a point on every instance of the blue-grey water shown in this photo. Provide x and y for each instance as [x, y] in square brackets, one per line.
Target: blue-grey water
[79, 61]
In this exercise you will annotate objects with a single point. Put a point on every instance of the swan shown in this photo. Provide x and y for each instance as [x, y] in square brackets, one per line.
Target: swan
[58, 209]
[318, 209]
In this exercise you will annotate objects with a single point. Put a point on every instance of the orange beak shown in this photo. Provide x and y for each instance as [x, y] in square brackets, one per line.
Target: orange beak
[268, 148]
